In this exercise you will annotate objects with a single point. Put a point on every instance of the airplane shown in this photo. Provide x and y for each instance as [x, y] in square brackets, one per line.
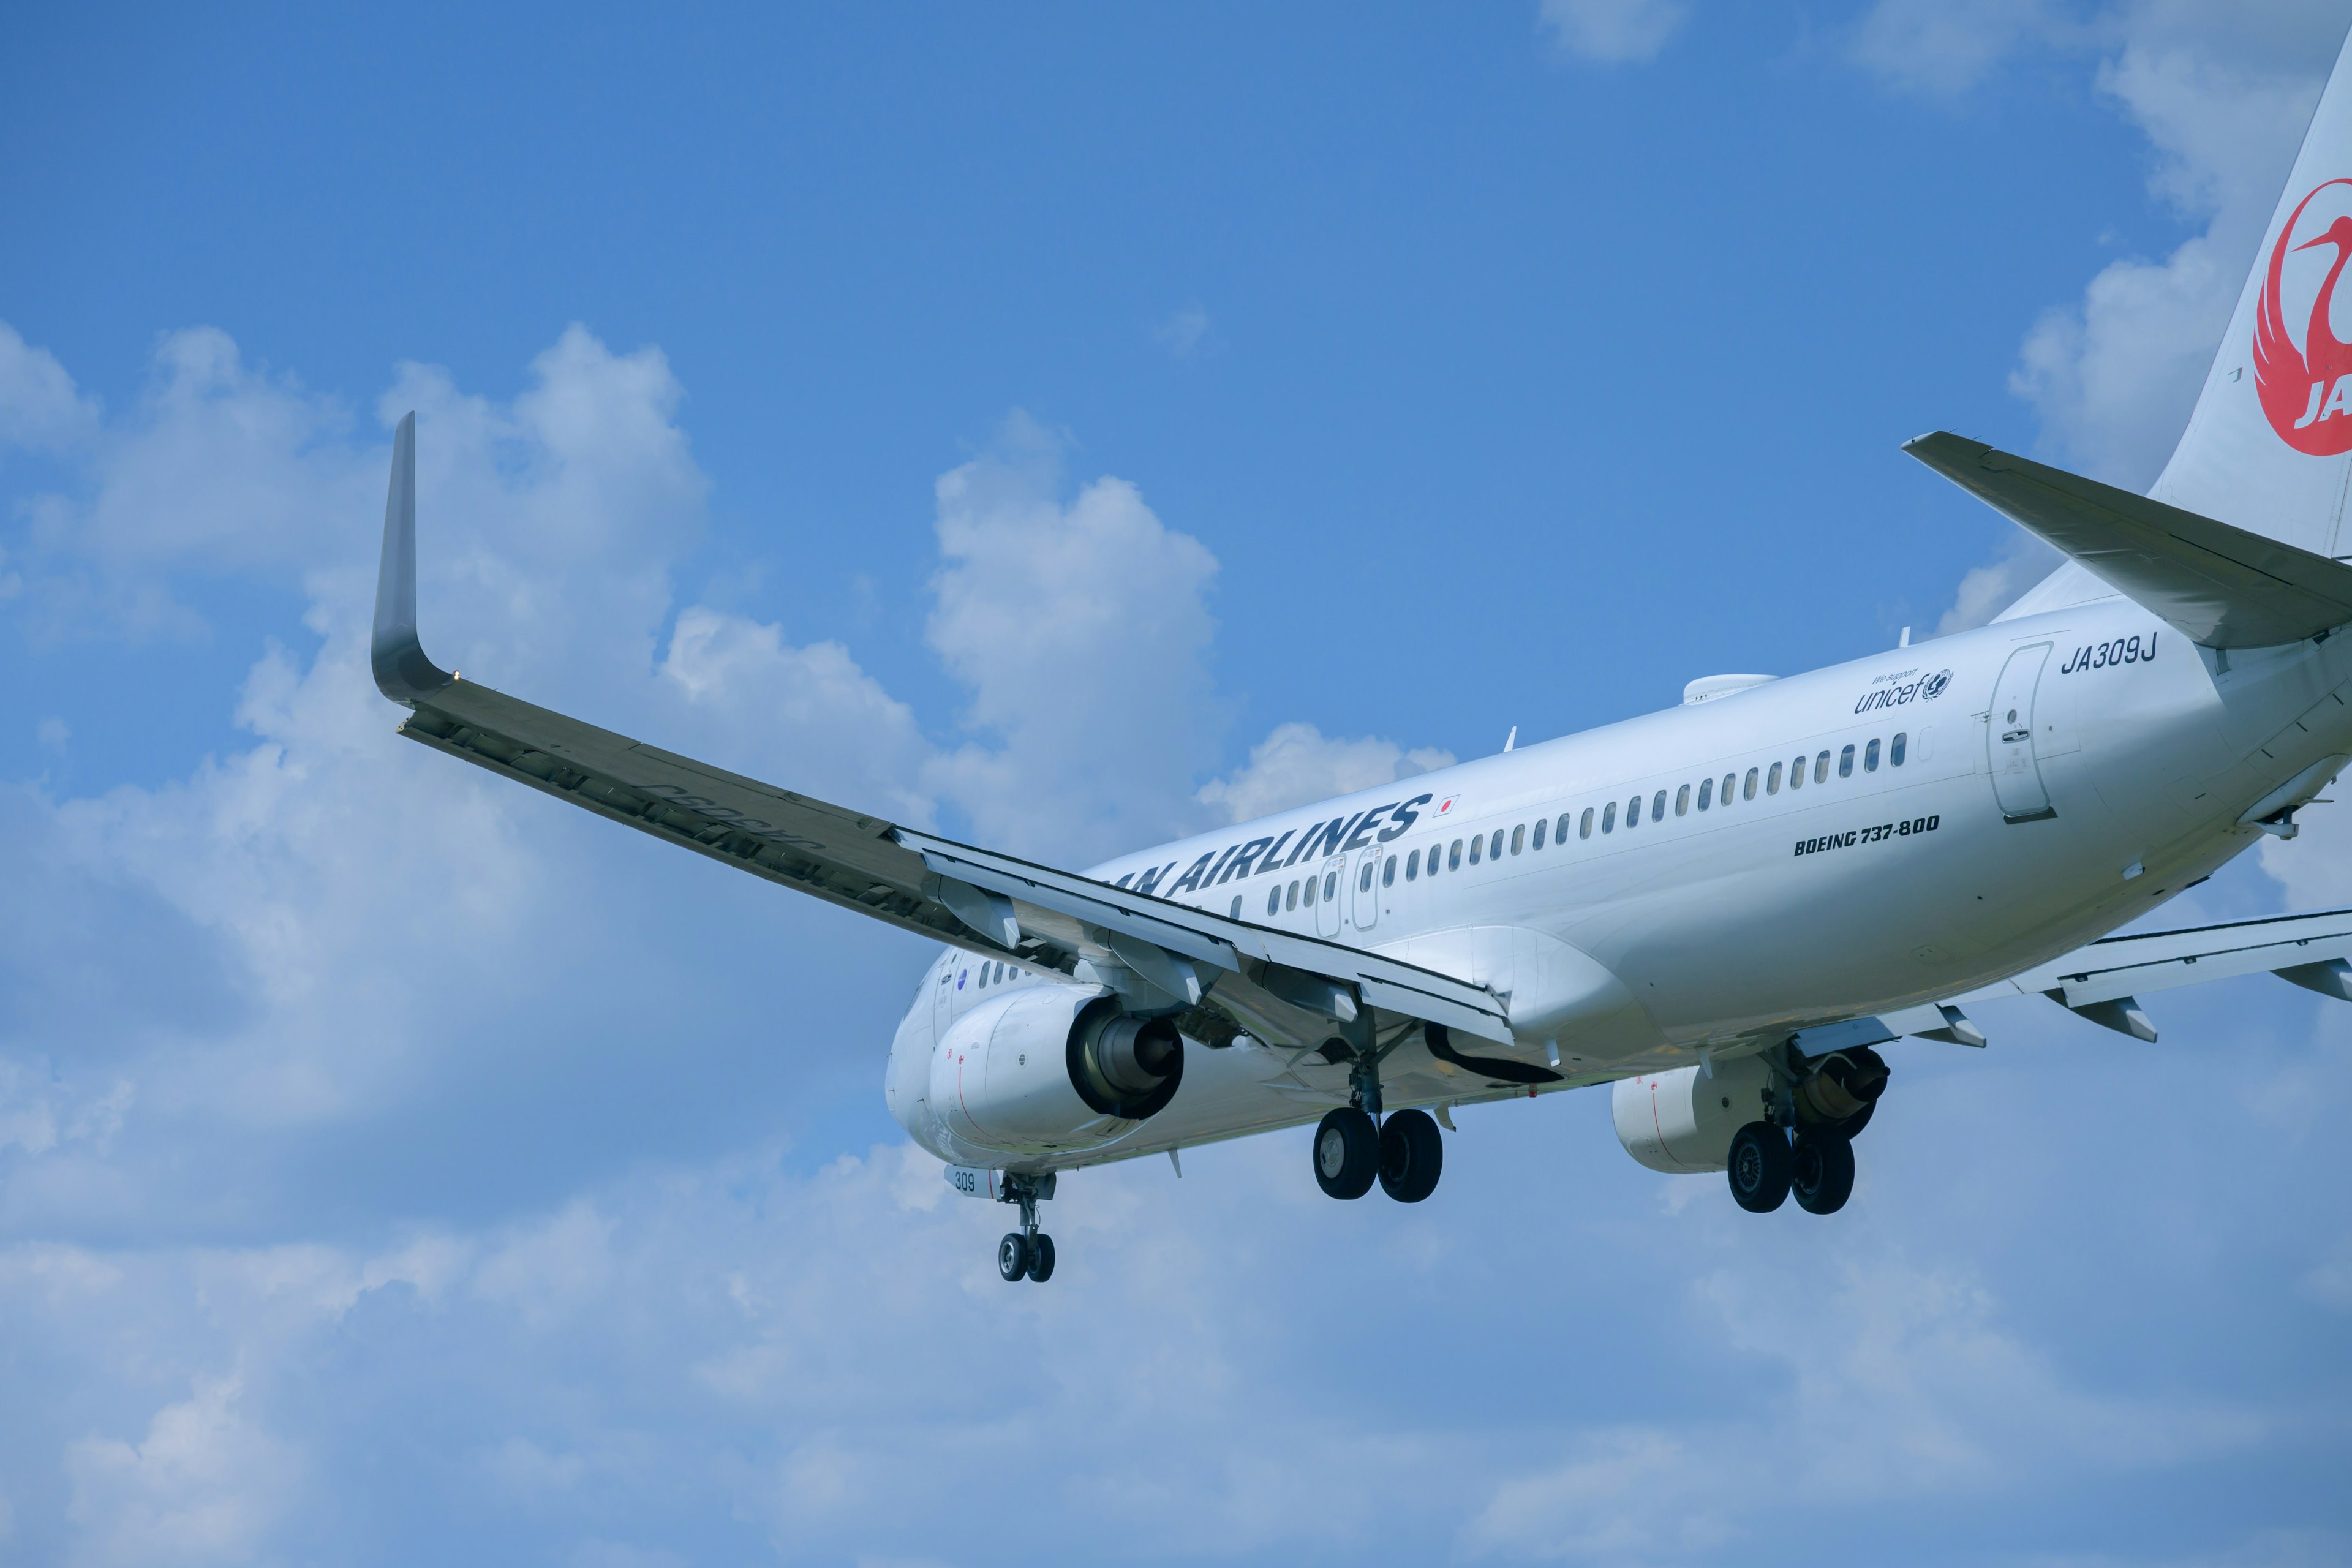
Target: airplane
[1722, 911]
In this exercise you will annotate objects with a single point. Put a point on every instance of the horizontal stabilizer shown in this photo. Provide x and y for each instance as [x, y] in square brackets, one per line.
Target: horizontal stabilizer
[2221, 585]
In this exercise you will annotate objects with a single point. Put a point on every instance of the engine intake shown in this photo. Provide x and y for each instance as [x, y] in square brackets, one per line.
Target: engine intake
[1124, 1066]
[1047, 1068]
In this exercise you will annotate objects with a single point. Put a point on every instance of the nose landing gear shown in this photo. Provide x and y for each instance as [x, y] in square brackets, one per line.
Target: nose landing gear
[1026, 1253]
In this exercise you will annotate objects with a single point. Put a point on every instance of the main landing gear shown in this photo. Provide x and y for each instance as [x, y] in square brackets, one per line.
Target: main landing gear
[1768, 1167]
[1353, 1148]
[1827, 1100]
[1026, 1253]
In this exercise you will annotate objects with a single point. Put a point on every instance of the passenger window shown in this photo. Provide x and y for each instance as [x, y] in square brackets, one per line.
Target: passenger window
[1454, 857]
[1634, 812]
[1705, 793]
[1730, 782]
[1388, 872]
[1518, 837]
[1894, 749]
[1658, 806]
[1310, 900]
[1748, 792]
[1331, 885]
[1364, 878]
[1541, 822]
[1477, 848]
[1822, 768]
[1609, 818]
[1584, 826]
[1274, 899]
[1845, 762]
[981, 983]
[1681, 801]
[1772, 780]
[1495, 849]
[1290, 898]
[1413, 866]
[1870, 756]
[1237, 907]
[1797, 773]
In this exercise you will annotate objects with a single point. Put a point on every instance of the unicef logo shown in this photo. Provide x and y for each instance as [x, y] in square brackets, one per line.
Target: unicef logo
[1934, 687]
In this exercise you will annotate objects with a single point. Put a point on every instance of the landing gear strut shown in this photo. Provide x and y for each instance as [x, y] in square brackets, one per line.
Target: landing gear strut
[1027, 1252]
[1353, 1148]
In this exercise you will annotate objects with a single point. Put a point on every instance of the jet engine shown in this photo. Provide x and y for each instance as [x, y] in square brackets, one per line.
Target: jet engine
[1841, 1090]
[1681, 1122]
[1049, 1067]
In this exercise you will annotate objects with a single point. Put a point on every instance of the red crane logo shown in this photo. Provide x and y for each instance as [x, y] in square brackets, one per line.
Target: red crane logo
[2307, 393]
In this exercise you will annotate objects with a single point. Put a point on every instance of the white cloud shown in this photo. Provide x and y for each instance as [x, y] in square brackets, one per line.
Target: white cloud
[1613, 32]
[39, 407]
[1986, 591]
[1298, 763]
[1082, 629]
[205, 1484]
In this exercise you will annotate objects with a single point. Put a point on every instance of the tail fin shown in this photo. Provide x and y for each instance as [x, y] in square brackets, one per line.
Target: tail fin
[2268, 447]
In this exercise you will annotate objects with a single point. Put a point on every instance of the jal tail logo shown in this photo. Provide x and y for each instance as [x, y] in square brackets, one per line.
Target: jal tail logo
[2306, 392]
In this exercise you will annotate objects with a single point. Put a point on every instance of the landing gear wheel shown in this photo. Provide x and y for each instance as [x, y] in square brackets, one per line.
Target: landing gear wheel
[1013, 1255]
[1760, 1167]
[1411, 1154]
[1041, 1258]
[1346, 1153]
[1821, 1171]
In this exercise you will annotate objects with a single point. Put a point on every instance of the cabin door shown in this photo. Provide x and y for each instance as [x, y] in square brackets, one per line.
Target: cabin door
[2008, 738]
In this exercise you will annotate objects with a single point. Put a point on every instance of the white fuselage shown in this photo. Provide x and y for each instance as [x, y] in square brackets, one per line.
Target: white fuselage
[1751, 905]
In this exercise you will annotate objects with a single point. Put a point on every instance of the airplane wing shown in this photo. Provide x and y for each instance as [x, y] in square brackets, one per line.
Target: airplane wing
[2103, 981]
[1221, 973]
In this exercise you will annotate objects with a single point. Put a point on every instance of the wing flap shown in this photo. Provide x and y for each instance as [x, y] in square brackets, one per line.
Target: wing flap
[1259, 953]
[2115, 968]
[2221, 585]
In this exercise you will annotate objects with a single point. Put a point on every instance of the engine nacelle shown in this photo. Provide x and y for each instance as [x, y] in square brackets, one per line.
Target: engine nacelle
[1682, 1122]
[1051, 1068]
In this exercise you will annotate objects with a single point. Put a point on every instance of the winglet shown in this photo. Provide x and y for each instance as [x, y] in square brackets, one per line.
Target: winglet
[402, 671]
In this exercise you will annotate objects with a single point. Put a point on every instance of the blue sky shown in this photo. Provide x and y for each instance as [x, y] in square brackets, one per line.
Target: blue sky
[1073, 430]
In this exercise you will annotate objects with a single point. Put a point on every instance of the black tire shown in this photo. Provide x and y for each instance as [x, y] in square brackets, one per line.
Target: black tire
[1411, 1155]
[1346, 1153]
[1041, 1258]
[1012, 1256]
[1820, 1171]
[1760, 1167]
